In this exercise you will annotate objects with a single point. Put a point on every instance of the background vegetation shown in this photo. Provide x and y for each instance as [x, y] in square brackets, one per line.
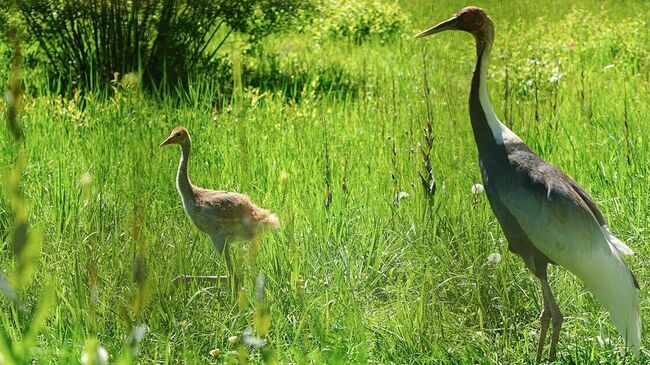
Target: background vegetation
[322, 123]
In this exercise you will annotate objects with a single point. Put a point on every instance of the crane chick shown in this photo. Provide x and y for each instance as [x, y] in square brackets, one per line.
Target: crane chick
[226, 217]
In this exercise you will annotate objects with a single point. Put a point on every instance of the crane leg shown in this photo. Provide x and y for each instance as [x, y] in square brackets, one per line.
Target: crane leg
[223, 249]
[187, 278]
[231, 272]
[556, 317]
[544, 319]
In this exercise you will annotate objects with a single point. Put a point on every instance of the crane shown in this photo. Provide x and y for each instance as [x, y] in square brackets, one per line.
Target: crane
[546, 217]
[226, 217]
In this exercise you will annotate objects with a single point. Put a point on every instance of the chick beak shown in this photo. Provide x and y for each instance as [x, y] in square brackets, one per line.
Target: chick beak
[166, 142]
[450, 24]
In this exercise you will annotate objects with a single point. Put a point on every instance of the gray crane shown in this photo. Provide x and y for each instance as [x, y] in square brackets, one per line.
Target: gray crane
[546, 217]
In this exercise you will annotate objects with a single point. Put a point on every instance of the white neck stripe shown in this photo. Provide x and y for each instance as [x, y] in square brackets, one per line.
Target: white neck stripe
[499, 131]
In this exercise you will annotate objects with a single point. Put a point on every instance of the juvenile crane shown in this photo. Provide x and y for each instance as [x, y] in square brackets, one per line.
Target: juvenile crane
[546, 217]
[226, 217]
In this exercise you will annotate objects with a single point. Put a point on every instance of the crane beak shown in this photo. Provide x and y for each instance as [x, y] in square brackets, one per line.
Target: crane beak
[169, 140]
[450, 24]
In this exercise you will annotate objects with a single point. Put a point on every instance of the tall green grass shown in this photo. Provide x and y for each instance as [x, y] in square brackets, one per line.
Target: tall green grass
[363, 279]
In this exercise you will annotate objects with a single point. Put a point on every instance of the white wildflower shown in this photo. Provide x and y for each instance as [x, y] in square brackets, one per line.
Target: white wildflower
[402, 195]
[99, 357]
[555, 78]
[9, 97]
[259, 287]
[137, 334]
[85, 180]
[102, 355]
[603, 341]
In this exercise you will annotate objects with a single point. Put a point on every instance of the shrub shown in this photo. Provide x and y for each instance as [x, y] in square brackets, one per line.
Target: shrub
[89, 41]
[357, 20]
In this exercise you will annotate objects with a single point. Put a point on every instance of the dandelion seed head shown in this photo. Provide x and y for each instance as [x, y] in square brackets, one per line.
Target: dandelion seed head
[477, 188]
[251, 340]
[139, 331]
[494, 258]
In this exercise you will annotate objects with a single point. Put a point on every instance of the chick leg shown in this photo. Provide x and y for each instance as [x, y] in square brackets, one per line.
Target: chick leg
[221, 248]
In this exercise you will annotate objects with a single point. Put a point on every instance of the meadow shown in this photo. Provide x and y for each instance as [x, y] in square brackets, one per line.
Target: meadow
[327, 134]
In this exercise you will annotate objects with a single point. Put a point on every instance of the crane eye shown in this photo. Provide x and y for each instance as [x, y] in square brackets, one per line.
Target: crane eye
[178, 134]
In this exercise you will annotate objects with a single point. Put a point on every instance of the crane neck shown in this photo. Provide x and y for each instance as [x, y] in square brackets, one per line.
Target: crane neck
[489, 132]
[183, 183]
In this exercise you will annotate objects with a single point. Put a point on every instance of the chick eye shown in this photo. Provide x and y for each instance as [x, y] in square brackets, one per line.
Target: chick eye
[178, 134]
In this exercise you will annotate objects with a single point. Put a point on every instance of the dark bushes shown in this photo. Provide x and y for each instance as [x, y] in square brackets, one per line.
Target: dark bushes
[89, 41]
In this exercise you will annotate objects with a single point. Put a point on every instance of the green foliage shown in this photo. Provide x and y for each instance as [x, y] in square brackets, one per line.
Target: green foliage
[364, 280]
[547, 57]
[86, 42]
[357, 20]
[16, 346]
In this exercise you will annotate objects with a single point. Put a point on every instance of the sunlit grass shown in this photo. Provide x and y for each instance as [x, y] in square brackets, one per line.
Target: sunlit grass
[364, 280]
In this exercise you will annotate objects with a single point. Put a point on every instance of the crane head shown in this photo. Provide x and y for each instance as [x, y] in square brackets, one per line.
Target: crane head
[178, 136]
[470, 19]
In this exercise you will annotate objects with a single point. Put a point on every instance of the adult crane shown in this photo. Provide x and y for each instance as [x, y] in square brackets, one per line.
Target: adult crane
[546, 217]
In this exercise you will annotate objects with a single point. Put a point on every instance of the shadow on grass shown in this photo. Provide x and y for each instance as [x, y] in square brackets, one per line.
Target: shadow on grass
[296, 80]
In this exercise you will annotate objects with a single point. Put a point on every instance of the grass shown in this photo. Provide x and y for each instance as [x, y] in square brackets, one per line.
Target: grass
[364, 280]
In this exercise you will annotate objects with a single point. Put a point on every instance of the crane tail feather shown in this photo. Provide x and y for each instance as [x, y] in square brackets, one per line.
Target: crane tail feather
[272, 221]
[612, 283]
[613, 240]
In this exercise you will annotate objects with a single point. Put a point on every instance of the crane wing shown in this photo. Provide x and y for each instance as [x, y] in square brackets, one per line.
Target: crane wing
[558, 216]
[555, 219]
[222, 206]
[620, 246]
